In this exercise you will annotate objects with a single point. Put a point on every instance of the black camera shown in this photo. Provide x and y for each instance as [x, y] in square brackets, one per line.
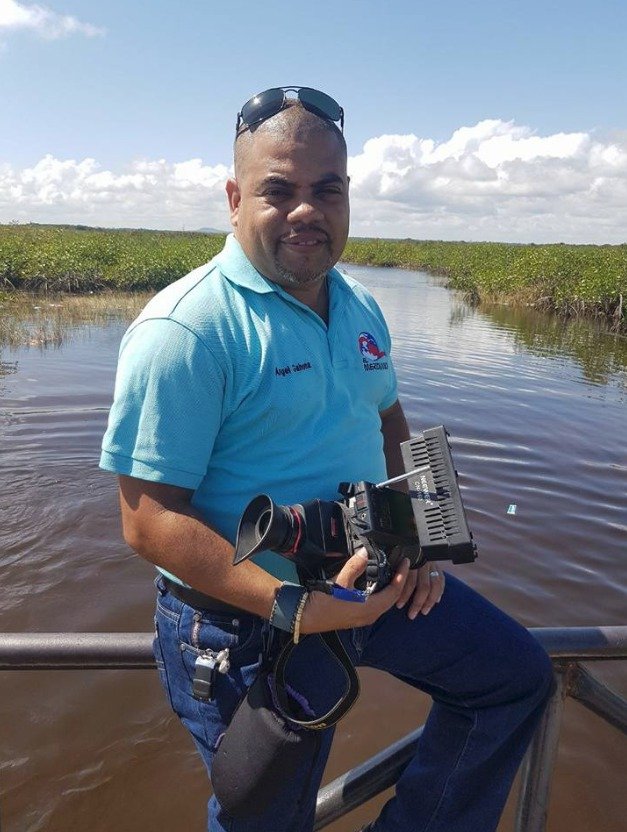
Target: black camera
[427, 523]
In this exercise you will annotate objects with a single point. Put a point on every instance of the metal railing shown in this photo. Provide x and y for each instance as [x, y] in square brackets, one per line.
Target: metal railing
[566, 646]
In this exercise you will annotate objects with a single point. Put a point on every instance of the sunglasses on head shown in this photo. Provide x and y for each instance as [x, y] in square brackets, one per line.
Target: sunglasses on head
[266, 104]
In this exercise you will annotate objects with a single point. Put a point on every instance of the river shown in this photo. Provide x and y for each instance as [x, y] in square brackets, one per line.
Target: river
[537, 412]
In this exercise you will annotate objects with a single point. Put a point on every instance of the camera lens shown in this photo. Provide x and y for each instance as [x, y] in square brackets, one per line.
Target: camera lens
[266, 525]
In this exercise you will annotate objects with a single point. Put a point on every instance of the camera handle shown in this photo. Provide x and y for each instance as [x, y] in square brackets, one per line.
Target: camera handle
[402, 477]
[377, 565]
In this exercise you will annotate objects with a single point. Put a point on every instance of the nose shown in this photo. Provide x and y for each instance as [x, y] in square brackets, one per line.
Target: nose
[305, 211]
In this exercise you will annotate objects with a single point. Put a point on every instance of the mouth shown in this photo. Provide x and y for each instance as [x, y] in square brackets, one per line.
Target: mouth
[305, 240]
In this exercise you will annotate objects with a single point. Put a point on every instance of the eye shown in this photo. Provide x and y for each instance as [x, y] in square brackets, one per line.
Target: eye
[276, 192]
[329, 190]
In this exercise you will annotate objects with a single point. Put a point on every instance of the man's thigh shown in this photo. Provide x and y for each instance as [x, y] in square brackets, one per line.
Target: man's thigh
[465, 651]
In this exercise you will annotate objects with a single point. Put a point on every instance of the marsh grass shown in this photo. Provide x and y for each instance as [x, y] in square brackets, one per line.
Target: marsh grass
[39, 258]
[32, 320]
[574, 281]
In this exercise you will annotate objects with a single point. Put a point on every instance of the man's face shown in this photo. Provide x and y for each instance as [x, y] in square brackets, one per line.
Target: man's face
[289, 206]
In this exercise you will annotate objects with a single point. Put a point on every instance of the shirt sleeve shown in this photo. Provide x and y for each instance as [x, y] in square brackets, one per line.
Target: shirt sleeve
[392, 391]
[167, 405]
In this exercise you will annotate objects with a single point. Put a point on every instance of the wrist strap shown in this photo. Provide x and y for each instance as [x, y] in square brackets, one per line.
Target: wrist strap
[297, 618]
[342, 706]
[286, 604]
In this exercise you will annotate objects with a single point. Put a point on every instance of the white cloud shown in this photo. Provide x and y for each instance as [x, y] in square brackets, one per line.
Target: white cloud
[43, 21]
[493, 181]
[150, 194]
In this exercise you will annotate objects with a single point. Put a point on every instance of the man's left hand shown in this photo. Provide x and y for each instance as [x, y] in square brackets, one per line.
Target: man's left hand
[424, 586]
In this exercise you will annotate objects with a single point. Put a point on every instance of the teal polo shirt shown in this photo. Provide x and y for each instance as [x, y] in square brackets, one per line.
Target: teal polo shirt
[229, 386]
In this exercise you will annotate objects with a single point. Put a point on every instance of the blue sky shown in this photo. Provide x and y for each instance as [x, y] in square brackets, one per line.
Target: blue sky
[134, 83]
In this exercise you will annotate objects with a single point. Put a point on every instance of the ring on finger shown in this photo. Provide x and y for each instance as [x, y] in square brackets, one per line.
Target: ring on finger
[434, 574]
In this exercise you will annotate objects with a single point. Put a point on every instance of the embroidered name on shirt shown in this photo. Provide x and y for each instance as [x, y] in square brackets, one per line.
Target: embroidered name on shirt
[375, 365]
[292, 368]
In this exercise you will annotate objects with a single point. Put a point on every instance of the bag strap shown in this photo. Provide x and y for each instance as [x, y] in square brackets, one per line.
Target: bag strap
[334, 645]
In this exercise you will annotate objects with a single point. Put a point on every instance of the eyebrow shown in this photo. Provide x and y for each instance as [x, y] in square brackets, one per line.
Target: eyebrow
[327, 179]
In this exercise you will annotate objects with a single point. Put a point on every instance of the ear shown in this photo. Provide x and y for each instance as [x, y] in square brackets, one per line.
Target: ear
[234, 196]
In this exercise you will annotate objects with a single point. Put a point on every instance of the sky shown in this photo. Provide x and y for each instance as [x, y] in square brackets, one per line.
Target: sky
[482, 120]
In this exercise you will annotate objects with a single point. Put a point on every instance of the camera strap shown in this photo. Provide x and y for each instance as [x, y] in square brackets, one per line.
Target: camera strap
[334, 645]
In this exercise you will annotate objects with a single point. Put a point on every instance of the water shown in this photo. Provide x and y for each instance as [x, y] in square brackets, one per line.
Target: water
[536, 411]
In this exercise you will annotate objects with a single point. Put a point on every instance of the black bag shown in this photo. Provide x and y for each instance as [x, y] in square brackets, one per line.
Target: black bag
[266, 739]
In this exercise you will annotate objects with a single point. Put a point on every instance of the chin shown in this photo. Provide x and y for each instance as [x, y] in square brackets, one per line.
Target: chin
[306, 274]
[300, 278]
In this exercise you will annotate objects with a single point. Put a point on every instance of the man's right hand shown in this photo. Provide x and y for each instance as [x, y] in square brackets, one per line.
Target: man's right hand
[323, 613]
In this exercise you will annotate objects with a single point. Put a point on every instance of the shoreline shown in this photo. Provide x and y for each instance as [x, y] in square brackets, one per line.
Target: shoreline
[569, 280]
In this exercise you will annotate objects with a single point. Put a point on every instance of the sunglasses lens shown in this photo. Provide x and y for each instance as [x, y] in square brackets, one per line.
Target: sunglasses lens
[262, 106]
[320, 103]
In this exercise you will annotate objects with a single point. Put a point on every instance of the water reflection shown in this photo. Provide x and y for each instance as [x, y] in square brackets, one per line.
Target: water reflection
[602, 355]
[7, 367]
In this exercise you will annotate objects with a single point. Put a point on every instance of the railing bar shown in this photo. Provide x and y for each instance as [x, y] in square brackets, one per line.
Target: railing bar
[537, 767]
[70, 651]
[582, 643]
[600, 699]
[365, 781]
[94, 664]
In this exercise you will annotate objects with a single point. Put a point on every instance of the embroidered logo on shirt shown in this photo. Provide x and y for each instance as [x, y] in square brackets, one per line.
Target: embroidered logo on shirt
[371, 353]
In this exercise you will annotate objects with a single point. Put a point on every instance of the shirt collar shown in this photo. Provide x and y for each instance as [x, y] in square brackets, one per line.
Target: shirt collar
[238, 269]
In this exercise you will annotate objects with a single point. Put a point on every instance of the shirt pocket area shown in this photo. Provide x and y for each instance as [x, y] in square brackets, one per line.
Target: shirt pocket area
[367, 383]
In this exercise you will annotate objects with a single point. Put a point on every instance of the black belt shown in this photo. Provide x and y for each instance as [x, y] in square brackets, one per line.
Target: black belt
[200, 601]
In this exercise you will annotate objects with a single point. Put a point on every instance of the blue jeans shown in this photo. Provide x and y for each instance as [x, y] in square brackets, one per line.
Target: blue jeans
[489, 680]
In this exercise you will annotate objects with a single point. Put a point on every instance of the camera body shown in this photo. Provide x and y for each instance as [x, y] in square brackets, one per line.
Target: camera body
[319, 535]
[428, 522]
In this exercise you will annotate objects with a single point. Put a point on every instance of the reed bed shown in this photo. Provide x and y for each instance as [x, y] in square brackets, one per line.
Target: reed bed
[75, 259]
[35, 320]
[571, 280]
[567, 279]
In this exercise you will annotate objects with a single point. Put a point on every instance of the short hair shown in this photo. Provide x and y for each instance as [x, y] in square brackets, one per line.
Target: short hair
[293, 120]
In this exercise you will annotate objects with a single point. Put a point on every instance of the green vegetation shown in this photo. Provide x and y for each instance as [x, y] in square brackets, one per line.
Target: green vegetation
[40, 258]
[573, 280]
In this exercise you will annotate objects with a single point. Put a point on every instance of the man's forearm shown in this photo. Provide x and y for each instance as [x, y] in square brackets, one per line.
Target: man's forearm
[177, 538]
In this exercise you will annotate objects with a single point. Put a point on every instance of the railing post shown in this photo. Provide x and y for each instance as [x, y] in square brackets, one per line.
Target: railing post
[539, 761]
[600, 699]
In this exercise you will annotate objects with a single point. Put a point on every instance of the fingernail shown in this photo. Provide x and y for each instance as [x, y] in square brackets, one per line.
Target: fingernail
[426, 610]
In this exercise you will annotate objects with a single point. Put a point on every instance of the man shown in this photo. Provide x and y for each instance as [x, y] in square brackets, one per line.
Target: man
[247, 376]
